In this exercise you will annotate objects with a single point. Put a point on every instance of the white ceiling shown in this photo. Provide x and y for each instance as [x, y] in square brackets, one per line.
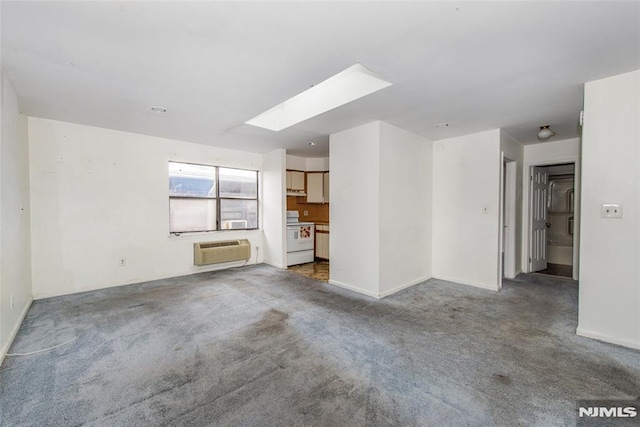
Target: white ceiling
[215, 65]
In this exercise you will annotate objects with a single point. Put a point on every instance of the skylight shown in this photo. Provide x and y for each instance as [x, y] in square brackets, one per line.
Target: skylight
[353, 83]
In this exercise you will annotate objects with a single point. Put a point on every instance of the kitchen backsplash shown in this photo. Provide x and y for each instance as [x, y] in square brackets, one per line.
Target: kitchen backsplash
[317, 212]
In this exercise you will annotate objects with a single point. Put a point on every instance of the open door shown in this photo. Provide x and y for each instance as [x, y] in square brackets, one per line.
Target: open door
[539, 223]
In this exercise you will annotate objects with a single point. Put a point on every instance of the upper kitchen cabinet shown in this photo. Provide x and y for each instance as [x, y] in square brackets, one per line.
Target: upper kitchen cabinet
[317, 187]
[325, 187]
[295, 180]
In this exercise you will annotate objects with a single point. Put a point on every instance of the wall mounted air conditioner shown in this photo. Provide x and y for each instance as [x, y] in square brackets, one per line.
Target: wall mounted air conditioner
[205, 253]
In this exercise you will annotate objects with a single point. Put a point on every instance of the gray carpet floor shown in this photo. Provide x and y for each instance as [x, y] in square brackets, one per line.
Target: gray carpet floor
[261, 346]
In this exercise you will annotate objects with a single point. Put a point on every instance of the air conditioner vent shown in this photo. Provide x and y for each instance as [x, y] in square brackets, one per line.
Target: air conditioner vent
[206, 253]
[219, 244]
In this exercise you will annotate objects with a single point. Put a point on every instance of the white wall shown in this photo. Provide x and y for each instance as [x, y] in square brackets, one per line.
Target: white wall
[466, 179]
[99, 194]
[381, 180]
[354, 208]
[319, 164]
[566, 150]
[546, 153]
[296, 163]
[405, 208]
[609, 296]
[513, 150]
[15, 241]
[309, 164]
[274, 206]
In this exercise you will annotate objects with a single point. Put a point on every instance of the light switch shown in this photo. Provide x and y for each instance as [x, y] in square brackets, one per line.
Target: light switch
[609, 210]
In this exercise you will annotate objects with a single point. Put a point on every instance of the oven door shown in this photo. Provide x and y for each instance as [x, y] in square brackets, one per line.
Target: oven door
[292, 238]
[300, 237]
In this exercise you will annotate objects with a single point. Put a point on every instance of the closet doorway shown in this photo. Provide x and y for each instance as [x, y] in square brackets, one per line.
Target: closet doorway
[552, 219]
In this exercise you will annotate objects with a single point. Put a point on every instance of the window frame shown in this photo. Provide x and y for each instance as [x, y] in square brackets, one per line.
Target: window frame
[217, 198]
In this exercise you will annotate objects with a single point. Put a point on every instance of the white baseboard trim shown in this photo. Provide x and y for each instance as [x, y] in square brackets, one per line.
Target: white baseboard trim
[515, 275]
[600, 337]
[37, 295]
[274, 264]
[353, 288]
[464, 282]
[376, 294]
[402, 287]
[5, 348]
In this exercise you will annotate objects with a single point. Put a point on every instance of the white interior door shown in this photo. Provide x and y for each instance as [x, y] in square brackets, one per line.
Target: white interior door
[539, 224]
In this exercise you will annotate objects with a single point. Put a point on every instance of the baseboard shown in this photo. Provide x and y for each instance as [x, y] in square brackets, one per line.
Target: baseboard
[197, 270]
[5, 348]
[353, 288]
[515, 276]
[377, 295]
[402, 287]
[464, 282]
[600, 337]
[273, 264]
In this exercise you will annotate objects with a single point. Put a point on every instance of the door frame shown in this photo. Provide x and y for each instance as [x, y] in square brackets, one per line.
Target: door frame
[526, 211]
[508, 218]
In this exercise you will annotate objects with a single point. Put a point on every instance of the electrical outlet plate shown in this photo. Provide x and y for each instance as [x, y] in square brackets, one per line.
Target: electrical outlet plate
[610, 210]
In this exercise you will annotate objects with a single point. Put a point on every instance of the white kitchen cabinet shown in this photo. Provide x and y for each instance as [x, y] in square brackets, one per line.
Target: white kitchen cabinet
[322, 241]
[325, 187]
[288, 187]
[314, 187]
[297, 180]
[317, 187]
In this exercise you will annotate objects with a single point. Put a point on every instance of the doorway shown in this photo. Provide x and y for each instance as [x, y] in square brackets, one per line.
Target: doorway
[552, 219]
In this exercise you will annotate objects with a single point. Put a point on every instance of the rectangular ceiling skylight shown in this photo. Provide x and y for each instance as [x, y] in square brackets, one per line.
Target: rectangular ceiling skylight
[353, 83]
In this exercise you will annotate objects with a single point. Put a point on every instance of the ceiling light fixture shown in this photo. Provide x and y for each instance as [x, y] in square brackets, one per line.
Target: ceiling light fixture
[545, 132]
[159, 109]
[353, 83]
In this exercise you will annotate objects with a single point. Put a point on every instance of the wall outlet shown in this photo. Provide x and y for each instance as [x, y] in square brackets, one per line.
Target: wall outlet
[122, 262]
[305, 213]
[609, 210]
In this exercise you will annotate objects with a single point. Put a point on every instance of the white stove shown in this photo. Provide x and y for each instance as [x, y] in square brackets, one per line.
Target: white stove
[300, 239]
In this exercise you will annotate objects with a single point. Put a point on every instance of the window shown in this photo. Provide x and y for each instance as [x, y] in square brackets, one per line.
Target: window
[208, 198]
[238, 195]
